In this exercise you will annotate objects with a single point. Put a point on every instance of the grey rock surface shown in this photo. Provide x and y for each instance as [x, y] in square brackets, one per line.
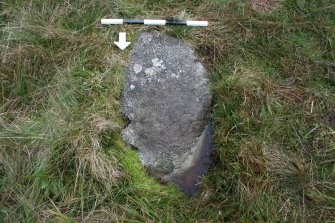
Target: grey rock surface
[167, 100]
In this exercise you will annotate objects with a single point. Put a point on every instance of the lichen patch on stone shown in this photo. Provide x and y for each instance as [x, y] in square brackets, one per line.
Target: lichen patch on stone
[158, 63]
[137, 68]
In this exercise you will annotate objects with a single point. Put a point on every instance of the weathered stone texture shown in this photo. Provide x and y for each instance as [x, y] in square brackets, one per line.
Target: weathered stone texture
[167, 100]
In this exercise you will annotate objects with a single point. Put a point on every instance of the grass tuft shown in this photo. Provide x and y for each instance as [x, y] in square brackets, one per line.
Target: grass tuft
[62, 158]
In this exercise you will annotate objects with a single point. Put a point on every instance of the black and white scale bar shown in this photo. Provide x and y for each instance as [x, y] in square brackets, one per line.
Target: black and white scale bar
[154, 22]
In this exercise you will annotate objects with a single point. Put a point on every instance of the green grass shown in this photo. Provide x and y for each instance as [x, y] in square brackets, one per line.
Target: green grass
[62, 158]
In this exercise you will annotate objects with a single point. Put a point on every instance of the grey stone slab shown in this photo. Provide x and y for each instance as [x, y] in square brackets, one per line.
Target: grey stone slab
[167, 100]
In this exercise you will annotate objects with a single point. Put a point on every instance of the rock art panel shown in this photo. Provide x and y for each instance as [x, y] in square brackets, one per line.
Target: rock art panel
[167, 100]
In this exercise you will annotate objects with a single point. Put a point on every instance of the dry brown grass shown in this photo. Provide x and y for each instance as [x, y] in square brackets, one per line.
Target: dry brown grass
[271, 67]
[265, 5]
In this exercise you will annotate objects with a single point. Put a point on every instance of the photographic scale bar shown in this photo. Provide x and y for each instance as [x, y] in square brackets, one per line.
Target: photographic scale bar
[153, 22]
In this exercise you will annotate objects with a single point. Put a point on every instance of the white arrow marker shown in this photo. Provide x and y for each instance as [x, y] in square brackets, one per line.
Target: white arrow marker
[122, 44]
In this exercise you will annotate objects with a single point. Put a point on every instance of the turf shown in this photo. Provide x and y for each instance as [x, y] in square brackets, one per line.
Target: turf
[272, 73]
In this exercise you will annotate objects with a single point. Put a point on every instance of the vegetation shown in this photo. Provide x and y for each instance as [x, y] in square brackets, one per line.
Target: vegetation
[273, 78]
